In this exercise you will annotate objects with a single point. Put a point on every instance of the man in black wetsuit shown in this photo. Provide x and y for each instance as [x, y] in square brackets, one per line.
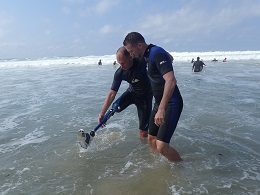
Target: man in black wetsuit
[139, 92]
[168, 100]
[198, 65]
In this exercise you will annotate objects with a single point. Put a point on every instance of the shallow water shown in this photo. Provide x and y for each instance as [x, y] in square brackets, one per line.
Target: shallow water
[41, 109]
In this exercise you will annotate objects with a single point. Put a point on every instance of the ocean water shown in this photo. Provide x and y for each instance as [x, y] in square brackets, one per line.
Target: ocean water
[44, 102]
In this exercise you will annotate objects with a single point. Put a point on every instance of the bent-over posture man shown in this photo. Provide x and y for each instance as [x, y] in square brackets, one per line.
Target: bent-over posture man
[168, 100]
[139, 92]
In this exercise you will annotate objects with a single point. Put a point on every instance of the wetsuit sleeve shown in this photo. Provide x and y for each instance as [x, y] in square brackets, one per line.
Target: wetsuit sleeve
[117, 80]
[163, 63]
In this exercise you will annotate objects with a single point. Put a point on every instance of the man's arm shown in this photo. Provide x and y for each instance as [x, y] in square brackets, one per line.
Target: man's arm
[169, 86]
[109, 99]
[193, 66]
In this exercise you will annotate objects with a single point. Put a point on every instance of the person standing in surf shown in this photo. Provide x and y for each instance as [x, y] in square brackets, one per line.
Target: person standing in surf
[139, 92]
[168, 100]
[198, 65]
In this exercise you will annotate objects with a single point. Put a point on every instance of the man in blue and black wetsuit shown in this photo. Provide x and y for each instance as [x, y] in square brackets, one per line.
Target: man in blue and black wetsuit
[168, 100]
[139, 92]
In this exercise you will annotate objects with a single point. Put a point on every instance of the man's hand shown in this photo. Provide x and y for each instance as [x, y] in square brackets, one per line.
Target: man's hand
[100, 118]
[159, 117]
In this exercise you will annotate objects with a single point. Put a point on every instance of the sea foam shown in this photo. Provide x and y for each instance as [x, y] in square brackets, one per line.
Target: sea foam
[109, 59]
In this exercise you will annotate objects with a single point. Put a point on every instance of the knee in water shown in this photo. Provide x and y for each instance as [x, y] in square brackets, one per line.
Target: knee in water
[116, 107]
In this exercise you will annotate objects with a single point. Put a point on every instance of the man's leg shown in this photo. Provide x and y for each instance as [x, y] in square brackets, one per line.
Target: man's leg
[144, 107]
[143, 134]
[163, 148]
[127, 99]
[165, 131]
[123, 101]
[166, 150]
[152, 142]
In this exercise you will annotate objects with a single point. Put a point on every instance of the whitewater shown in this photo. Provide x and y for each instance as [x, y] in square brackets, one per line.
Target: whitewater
[109, 59]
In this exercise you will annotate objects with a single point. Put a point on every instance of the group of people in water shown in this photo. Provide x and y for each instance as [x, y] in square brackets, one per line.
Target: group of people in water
[214, 60]
[198, 64]
[100, 63]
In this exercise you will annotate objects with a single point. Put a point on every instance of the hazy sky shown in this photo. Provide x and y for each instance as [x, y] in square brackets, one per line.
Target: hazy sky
[46, 28]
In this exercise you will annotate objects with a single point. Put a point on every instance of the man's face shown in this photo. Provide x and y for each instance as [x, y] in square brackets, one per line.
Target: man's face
[134, 50]
[125, 62]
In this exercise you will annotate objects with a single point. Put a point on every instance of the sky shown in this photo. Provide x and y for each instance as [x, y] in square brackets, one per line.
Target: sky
[49, 28]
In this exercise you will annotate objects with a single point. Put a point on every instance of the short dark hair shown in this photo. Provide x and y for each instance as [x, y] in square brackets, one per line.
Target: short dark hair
[133, 38]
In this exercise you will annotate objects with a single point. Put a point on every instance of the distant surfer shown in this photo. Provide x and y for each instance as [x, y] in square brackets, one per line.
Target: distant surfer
[225, 60]
[192, 60]
[114, 63]
[198, 65]
[99, 63]
[214, 60]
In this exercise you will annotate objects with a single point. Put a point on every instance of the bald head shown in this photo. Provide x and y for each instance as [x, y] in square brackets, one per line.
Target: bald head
[124, 58]
[122, 52]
